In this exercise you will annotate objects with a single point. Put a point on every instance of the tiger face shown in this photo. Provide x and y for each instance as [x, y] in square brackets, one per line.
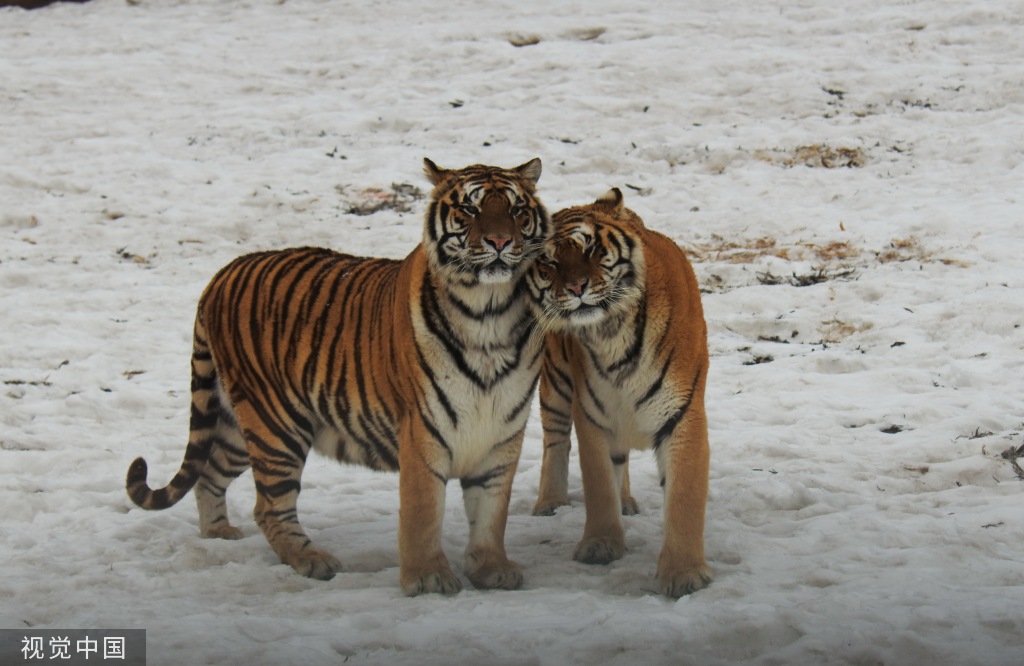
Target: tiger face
[485, 224]
[592, 268]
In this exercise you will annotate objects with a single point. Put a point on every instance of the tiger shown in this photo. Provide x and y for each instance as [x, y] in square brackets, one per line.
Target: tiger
[426, 365]
[626, 362]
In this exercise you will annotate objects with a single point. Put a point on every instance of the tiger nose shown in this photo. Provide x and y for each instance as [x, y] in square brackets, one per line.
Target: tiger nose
[499, 242]
[577, 287]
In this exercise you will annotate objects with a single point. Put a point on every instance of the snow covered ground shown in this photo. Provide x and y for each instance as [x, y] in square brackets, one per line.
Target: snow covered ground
[847, 177]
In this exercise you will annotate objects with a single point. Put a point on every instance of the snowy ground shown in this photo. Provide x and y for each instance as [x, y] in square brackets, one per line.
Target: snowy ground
[861, 511]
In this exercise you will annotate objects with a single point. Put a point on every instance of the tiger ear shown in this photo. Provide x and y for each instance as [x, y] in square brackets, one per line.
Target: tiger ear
[530, 171]
[435, 174]
[612, 198]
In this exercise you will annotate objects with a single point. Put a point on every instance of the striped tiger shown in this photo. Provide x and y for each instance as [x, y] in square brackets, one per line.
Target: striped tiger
[626, 361]
[426, 364]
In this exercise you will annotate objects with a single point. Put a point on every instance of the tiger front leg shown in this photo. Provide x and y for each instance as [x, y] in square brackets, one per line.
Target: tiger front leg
[604, 537]
[424, 472]
[486, 496]
[683, 461]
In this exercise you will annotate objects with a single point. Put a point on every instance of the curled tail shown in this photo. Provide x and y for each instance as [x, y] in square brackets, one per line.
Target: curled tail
[205, 415]
[161, 498]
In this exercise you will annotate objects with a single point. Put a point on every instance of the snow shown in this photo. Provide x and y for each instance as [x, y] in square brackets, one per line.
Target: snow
[860, 510]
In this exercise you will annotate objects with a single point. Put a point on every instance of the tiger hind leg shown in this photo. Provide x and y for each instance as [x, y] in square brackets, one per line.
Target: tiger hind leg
[629, 505]
[228, 460]
[553, 491]
[556, 391]
[214, 430]
[277, 470]
[556, 395]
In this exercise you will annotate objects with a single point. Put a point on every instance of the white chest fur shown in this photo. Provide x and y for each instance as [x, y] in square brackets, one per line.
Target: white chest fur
[626, 390]
[486, 361]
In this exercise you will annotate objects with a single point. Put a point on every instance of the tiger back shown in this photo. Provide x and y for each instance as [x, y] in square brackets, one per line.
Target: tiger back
[425, 364]
[626, 363]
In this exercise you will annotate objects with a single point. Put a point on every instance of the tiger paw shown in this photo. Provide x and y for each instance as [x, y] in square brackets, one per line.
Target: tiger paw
[222, 532]
[600, 550]
[548, 507]
[495, 572]
[678, 582]
[315, 563]
[442, 581]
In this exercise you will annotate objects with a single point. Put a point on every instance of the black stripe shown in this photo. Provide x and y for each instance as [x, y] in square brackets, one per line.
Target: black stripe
[270, 453]
[593, 421]
[593, 396]
[638, 324]
[203, 383]
[230, 473]
[285, 516]
[433, 209]
[522, 404]
[199, 420]
[278, 489]
[436, 434]
[669, 425]
[551, 411]
[484, 480]
[489, 310]
[611, 236]
[512, 439]
[221, 443]
[656, 385]
[432, 378]
[666, 429]
[198, 451]
[559, 380]
[380, 449]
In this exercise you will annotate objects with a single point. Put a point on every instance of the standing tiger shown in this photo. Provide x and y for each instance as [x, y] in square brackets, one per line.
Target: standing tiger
[427, 364]
[626, 361]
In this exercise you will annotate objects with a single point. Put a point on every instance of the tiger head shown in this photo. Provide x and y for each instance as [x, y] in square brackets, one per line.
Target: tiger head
[593, 266]
[484, 224]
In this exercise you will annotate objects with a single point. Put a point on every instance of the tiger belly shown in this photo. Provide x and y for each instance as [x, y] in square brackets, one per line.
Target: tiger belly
[332, 442]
